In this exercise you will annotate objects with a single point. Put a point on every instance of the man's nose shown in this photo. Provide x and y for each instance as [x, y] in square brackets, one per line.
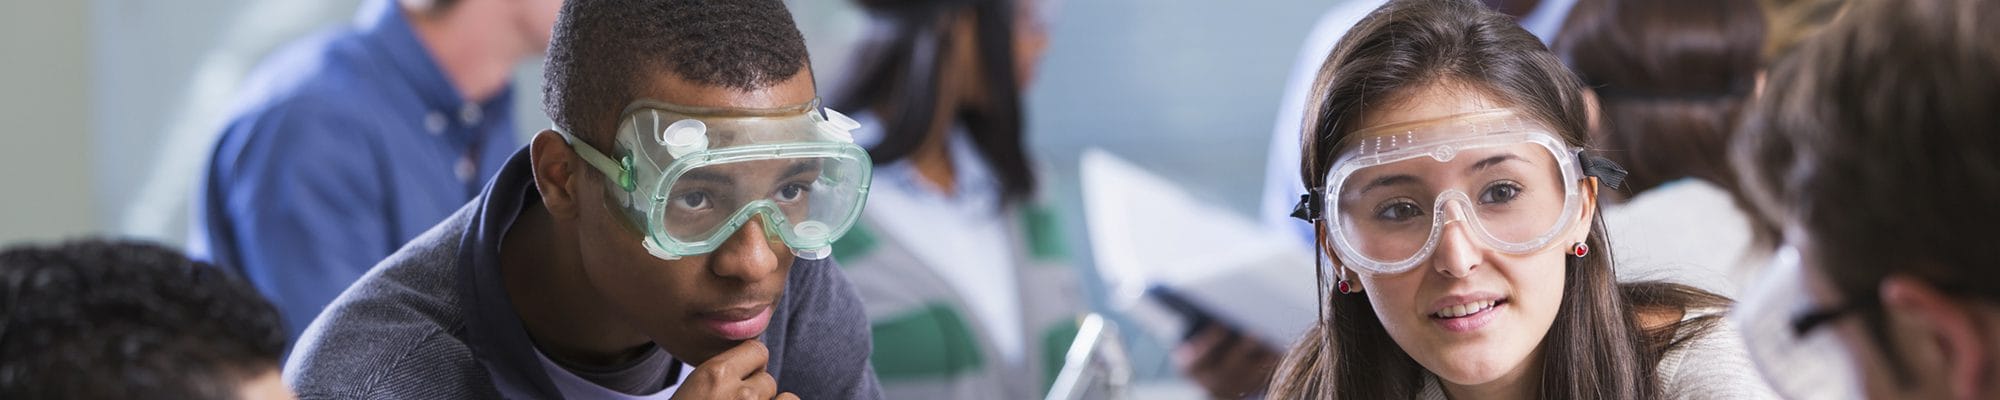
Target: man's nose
[746, 254]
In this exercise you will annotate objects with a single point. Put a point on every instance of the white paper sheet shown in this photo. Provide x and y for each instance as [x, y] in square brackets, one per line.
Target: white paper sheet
[1145, 231]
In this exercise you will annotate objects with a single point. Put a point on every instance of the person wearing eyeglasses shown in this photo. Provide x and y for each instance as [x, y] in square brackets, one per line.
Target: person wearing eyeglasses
[1874, 154]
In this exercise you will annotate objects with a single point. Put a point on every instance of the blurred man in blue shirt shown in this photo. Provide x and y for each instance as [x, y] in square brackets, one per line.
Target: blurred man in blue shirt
[346, 144]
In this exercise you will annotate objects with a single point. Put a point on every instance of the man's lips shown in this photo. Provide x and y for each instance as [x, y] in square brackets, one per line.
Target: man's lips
[737, 323]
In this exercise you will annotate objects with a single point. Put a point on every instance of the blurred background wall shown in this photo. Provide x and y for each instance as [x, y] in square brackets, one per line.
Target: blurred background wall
[48, 160]
[111, 104]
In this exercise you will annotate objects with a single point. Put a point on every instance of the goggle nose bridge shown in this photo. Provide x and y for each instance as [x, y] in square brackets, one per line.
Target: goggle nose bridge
[774, 219]
[1452, 206]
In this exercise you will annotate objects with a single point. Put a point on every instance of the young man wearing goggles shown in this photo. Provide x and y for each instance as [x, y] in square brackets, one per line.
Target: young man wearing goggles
[668, 239]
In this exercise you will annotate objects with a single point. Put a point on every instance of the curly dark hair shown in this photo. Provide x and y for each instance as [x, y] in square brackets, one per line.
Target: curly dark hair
[101, 319]
[601, 50]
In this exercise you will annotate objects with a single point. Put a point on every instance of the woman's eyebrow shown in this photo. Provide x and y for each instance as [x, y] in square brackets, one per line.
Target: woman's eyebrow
[1491, 161]
[1392, 180]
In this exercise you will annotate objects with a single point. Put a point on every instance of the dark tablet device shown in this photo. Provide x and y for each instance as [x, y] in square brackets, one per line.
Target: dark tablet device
[1197, 317]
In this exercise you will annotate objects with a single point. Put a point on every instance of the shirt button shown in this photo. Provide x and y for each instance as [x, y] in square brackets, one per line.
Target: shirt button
[434, 122]
[465, 169]
[469, 114]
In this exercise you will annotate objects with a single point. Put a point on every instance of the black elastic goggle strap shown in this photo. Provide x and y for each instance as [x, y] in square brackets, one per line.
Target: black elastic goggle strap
[1606, 171]
[1308, 207]
[1308, 210]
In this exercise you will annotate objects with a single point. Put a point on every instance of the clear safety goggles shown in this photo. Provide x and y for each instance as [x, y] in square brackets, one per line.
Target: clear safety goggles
[1510, 183]
[1798, 364]
[688, 177]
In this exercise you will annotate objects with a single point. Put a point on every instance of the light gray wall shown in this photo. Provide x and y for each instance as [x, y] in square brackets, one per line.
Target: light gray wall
[47, 159]
[172, 69]
[1187, 89]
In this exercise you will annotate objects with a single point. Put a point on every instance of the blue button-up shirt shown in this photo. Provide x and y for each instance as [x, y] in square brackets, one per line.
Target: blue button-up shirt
[343, 146]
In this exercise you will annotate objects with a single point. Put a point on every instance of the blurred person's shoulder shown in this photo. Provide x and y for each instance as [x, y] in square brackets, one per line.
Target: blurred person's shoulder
[398, 332]
[331, 78]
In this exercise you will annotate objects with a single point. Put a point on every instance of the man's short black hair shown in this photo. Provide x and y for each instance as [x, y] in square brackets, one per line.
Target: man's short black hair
[601, 51]
[94, 319]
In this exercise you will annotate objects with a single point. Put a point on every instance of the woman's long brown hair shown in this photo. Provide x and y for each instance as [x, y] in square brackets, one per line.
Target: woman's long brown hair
[1596, 348]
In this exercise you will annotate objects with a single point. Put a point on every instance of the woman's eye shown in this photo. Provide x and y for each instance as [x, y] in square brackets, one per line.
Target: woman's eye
[1500, 193]
[792, 192]
[1398, 211]
[692, 201]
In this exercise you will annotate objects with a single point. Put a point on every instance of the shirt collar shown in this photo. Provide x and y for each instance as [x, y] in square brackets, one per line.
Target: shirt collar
[493, 332]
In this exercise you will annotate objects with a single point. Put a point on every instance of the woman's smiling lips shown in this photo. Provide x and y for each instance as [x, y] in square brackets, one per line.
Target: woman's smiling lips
[737, 323]
[1466, 312]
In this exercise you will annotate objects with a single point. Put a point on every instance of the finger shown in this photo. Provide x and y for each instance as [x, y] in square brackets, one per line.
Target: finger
[1244, 352]
[760, 386]
[1209, 336]
[1221, 349]
[738, 362]
[1268, 358]
[787, 396]
[1199, 344]
[1233, 359]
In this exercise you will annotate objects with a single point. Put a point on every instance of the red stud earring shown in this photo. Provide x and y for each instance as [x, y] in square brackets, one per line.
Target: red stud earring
[1347, 285]
[1580, 250]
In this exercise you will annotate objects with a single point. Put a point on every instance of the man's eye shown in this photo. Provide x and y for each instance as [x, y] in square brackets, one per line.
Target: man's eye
[692, 201]
[792, 192]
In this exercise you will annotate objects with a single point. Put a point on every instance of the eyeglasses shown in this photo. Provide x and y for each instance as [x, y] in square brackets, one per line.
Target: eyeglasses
[1819, 317]
[1777, 316]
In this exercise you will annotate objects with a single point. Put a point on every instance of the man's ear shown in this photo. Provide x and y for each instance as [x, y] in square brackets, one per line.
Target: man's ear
[555, 165]
[1937, 335]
